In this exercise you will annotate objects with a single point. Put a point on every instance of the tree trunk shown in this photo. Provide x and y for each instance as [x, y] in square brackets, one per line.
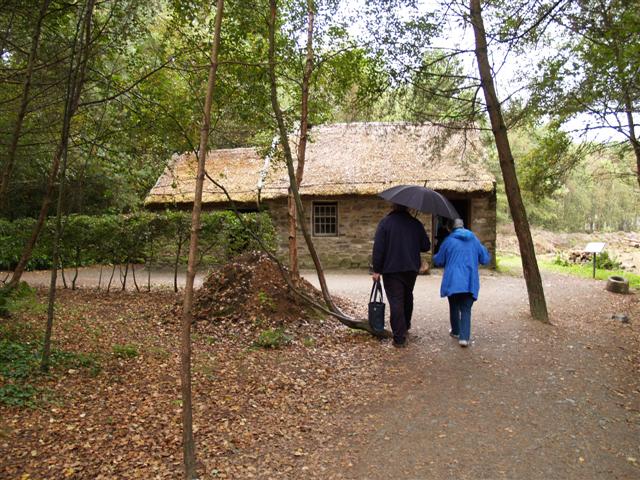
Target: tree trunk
[123, 280]
[537, 303]
[284, 141]
[632, 134]
[302, 145]
[74, 86]
[293, 241]
[177, 261]
[188, 443]
[24, 102]
[113, 272]
[70, 109]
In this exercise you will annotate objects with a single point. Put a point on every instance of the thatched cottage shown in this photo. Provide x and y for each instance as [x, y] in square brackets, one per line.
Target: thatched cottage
[347, 165]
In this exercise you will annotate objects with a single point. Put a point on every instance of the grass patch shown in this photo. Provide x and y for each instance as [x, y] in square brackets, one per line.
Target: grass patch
[273, 338]
[125, 351]
[508, 264]
[586, 271]
[511, 264]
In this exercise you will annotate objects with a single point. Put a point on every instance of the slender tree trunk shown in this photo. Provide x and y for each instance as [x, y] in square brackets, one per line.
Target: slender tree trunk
[133, 276]
[188, 443]
[75, 273]
[284, 141]
[150, 259]
[302, 144]
[24, 102]
[78, 83]
[64, 277]
[177, 261]
[537, 303]
[113, 272]
[74, 86]
[293, 242]
[124, 277]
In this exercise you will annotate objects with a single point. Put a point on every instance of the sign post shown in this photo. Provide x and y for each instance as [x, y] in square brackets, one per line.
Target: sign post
[595, 248]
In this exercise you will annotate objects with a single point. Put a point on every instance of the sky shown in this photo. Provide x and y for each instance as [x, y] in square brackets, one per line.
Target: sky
[507, 66]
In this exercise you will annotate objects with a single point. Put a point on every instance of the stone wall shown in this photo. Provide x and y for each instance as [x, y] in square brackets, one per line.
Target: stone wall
[483, 222]
[358, 217]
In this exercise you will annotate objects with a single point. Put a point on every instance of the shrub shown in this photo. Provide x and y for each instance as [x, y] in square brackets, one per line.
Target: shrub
[137, 237]
[606, 262]
[18, 299]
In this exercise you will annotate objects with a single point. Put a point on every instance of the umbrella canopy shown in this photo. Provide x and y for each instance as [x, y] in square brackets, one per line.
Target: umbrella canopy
[420, 198]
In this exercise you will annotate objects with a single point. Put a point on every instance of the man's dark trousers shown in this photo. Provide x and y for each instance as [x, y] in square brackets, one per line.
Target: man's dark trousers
[399, 290]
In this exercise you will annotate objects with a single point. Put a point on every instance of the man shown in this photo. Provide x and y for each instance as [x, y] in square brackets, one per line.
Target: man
[398, 241]
[460, 254]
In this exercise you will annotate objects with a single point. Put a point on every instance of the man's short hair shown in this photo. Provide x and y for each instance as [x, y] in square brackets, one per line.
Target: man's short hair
[400, 208]
[458, 223]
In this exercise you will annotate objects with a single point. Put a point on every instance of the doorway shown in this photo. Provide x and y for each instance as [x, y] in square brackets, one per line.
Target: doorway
[463, 207]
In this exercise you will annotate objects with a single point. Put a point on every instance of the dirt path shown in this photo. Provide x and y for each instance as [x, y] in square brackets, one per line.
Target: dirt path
[525, 401]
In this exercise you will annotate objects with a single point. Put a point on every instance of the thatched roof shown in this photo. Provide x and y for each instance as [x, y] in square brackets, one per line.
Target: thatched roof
[356, 158]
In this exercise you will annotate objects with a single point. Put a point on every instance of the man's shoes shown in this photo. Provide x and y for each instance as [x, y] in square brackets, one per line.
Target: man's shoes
[402, 344]
[454, 335]
[463, 343]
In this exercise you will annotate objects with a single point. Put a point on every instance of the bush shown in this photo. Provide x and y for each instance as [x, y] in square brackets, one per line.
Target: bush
[606, 262]
[134, 238]
[21, 298]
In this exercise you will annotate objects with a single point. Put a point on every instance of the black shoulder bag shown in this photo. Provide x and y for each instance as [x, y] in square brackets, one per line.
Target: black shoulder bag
[376, 307]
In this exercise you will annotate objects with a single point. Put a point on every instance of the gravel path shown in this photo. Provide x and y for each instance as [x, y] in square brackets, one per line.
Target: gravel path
[525, 401]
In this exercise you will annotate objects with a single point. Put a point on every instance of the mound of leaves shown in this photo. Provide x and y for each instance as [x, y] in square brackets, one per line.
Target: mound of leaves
[251, 290]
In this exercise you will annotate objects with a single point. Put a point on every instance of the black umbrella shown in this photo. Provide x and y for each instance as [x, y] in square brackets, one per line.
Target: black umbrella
[420, 198]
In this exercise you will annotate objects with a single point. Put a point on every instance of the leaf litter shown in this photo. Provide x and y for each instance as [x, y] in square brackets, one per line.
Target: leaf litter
[258, 413]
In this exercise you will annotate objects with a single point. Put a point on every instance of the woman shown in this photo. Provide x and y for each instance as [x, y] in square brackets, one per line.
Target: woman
[460, 254]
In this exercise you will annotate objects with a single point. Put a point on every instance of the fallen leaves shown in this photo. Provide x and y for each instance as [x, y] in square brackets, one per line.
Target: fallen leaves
[257, 413]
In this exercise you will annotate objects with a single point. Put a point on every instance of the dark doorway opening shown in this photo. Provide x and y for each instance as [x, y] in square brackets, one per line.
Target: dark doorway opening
[463, 207]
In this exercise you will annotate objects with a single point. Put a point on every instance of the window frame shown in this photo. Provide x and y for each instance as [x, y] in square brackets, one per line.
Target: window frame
[320, 203]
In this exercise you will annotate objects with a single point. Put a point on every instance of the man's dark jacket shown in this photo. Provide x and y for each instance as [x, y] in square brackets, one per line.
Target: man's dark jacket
[398, 242]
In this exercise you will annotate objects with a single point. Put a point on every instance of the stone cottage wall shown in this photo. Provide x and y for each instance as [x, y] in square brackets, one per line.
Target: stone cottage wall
[358, 217]
[483, 222]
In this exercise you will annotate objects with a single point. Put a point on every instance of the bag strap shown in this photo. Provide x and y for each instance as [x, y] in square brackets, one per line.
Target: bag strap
[376, 290]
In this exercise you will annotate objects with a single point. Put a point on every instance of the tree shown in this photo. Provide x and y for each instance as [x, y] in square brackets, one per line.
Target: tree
[77, 68]
[24, 103]
[188, 444]
[594, 69]
[537, 302]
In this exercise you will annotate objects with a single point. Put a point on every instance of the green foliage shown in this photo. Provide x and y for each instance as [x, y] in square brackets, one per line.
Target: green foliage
[125, 351]
[19, 299]
[544, 167]
[20, 366]
[592, 189]
[511, 264]
[136, 238]
[266, 301]
[586, 271]
[603, 261]
[273, 338]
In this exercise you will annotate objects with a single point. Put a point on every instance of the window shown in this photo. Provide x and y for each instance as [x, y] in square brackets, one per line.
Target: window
[325, 219]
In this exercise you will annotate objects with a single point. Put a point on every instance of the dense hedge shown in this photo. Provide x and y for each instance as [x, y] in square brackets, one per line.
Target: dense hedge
[142, 237]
